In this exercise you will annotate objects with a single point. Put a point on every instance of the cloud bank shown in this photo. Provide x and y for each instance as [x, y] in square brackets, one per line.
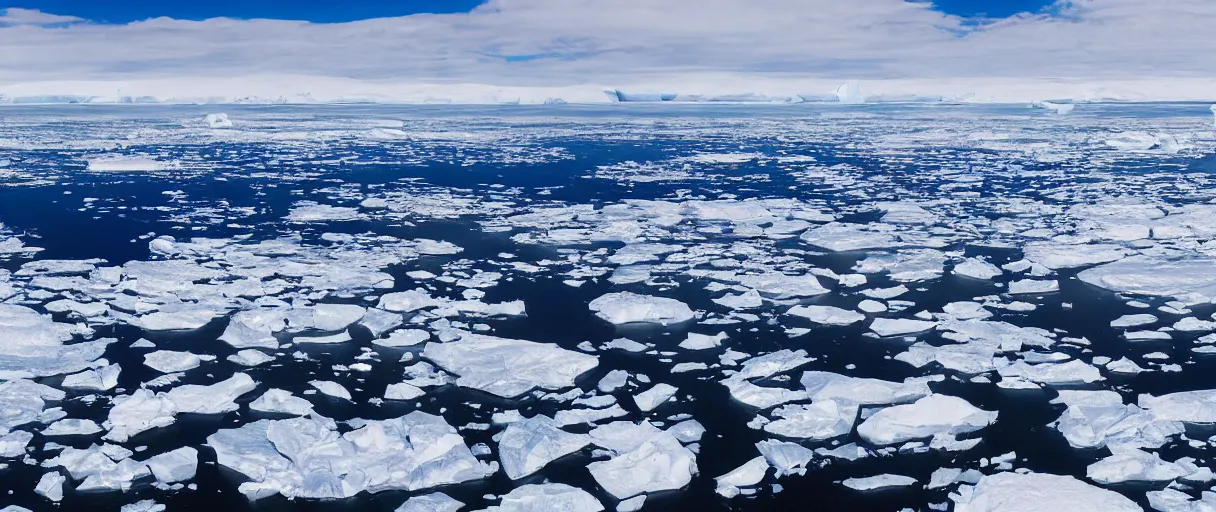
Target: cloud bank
[717, 44]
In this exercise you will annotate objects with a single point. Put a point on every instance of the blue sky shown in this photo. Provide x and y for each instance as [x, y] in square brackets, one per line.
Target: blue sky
[330, 11]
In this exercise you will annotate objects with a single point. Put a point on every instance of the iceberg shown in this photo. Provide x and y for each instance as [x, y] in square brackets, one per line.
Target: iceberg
[217, 121]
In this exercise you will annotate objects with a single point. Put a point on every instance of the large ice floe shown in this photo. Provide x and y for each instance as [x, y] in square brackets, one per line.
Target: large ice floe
[307, 458]
[909, 308]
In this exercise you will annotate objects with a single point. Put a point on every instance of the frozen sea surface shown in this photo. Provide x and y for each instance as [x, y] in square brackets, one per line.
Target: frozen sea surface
[889, 308]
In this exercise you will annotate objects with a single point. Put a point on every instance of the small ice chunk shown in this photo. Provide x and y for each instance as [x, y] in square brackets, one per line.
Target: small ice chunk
[250, 357]
[1030, 286]
[331, 388]
[175, 466]
[402, 391]
[898, 326]
[613, 381]
[871, 306]
[1133, 320]
[787, 458]
[276, 400]
[72, 427]
[433, 502]
[168, 361]
[650, 399]
[104, 378]
[633, 504]
[747, 475]
[50, 486]
[403, 338]
[826, 315]
[976, 268]
[547, 497]
[879, 482]
[696, 341]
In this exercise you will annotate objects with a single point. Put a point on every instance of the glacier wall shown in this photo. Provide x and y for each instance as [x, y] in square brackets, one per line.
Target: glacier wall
[291, 89]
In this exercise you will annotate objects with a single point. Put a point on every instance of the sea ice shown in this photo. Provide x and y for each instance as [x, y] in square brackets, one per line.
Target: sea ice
[547, 497]
[1132, 465]
[650, 399]
[747, 475]
[897, 326]
[1035, 492]
[174, 466]
[528, 445]
[276, 400]
[506, 367]
[826, 315]
[628, 307]
[331, 388]
[928, 417]
[878, 482]
[304, 458]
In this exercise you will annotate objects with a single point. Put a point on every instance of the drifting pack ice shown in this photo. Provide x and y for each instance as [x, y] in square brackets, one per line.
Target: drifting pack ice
[971, 308]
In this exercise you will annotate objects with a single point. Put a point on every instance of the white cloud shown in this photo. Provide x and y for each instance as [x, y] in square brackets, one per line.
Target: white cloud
[545, 42]
[19, 16]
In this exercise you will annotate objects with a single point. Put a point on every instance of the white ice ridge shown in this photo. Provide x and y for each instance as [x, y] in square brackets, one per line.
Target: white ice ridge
[303, 89]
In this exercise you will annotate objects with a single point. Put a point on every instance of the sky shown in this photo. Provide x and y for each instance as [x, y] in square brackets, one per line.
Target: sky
[329, 11]
[564, 42]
